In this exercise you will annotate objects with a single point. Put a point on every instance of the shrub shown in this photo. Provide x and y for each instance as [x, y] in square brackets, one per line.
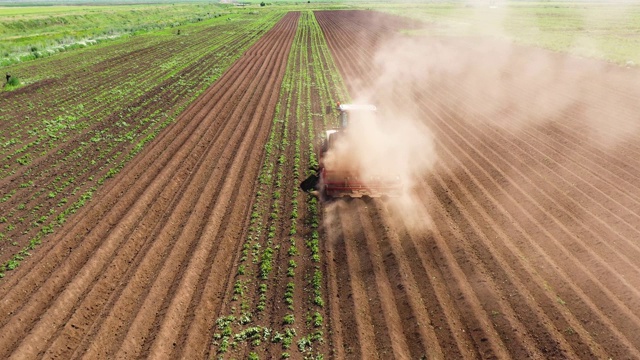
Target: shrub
[13, 81]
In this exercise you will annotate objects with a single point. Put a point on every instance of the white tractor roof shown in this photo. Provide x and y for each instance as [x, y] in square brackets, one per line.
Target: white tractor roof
[350, 107]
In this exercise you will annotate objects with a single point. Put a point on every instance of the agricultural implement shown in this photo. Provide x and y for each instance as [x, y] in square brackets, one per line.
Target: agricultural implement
[340, 173]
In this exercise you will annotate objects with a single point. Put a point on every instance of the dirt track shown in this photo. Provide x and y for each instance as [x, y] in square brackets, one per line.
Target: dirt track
[531, 249]
[139, 272]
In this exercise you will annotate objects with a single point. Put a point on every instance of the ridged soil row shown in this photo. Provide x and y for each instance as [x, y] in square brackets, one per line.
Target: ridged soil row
[93, 90]
[91, 85]
[177, 191]
[592, 208]
[456, 342]
[559, 224]
[529, 257]
[132, 63]
[197, 330]
[586, 142]
[179, 149]
[165, 281]
[298, 116]
[476, 226]
[84, 163]
[448, 121]
[276, 307]
[595, 185]
[578, 218]
[355, 310]
[585, 220]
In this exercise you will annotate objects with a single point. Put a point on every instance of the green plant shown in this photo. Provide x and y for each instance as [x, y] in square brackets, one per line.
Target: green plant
[288, 319]
[13, 81]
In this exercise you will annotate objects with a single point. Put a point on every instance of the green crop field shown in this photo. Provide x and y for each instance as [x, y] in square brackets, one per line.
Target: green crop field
[86, 89]
[28, 33]
[606, 30]
[32, 32]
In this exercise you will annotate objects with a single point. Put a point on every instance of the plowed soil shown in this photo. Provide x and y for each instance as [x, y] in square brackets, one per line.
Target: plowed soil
[139, 273]
[530, 218]
[522, 242]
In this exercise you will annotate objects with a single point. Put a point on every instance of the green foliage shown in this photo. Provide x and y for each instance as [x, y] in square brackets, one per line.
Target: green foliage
[33, 32]
[288, 319]
[287, 340]
[13, 81]
[266, 264]
[317, 319]
[118, 119]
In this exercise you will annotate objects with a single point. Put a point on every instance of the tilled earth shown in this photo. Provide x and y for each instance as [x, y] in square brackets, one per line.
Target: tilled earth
[531, 215]
[522, 241]
[133, 275]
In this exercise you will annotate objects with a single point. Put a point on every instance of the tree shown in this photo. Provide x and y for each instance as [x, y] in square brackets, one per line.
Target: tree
[262, 4]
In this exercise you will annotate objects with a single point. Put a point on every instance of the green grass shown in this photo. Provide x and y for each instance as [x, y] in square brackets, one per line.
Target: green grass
[27, 33]
[609, 31]
[8, 11]
[34, 29]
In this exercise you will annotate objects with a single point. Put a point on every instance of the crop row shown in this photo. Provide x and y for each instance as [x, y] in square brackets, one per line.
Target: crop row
[277, 305]
[78, 134]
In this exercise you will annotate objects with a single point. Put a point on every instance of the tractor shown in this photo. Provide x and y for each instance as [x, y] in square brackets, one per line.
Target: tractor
[341, 172]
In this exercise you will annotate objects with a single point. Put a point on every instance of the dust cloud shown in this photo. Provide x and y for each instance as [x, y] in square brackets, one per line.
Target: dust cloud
[394, 142]
[484, 81]
[518, 65]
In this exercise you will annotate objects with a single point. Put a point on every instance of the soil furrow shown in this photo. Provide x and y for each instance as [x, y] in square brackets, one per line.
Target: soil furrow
[356, 291]
[160, 199]
[549, 237]
[167, 334]
[543, 215]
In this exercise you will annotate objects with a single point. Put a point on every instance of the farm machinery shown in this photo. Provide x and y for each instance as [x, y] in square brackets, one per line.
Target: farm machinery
[347, 156]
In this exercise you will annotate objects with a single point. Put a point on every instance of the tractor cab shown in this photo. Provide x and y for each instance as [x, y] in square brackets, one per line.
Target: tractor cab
[353, 112]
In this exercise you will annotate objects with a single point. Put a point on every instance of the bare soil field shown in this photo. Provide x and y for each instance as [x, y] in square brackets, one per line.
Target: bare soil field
[526, 243]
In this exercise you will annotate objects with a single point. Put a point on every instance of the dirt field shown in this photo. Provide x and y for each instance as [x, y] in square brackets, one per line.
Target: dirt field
[518, 237]
[133, 275]
[529, 244]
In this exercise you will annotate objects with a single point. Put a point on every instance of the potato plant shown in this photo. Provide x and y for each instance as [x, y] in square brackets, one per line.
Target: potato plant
[83, 116]
[284, 226]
